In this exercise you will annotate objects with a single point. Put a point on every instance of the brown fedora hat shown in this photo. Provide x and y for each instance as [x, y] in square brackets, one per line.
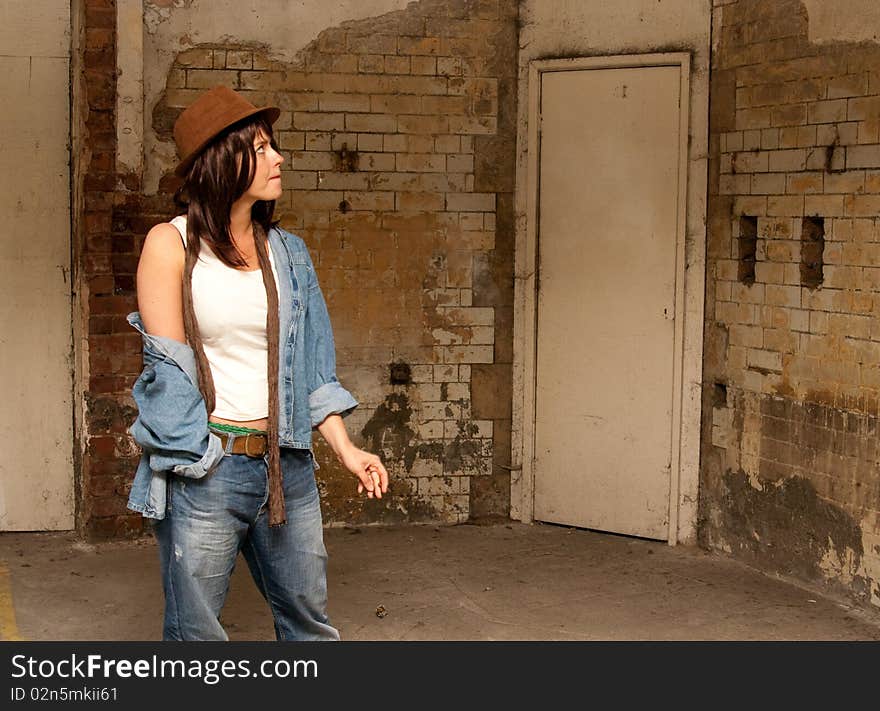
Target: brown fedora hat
[209, 115]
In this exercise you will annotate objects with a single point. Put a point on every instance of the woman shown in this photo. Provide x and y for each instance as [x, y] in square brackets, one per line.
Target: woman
[239, 368]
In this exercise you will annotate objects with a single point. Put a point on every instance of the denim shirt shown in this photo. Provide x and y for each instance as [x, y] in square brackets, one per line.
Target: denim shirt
[172, 423]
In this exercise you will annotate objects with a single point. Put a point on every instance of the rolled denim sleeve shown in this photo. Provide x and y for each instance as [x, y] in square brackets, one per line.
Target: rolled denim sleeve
[172, 424]
[327, 396]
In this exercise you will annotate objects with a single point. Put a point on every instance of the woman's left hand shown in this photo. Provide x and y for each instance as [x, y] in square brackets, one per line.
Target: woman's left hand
[368, 468]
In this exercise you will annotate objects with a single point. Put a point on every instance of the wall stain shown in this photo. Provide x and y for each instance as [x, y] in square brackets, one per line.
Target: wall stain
[389, 433]
[107, 414]
[788, 528]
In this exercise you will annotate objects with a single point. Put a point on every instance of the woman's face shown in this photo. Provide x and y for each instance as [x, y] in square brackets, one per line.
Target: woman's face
[266, 184]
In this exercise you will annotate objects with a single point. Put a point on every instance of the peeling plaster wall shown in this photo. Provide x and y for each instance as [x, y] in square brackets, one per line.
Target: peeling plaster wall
[281, 28]
[573, 28]
[790, 474]
[130, 86]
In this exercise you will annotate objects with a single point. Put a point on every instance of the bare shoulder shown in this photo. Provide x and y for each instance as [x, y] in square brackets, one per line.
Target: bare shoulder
[159, 277]
[163, 247]
[162, 260]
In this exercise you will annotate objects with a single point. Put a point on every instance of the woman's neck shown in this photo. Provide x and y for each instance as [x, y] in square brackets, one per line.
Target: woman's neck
[240, 218]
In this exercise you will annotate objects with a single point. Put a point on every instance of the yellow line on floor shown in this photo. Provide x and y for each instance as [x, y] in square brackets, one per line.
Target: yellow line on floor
[8, 628]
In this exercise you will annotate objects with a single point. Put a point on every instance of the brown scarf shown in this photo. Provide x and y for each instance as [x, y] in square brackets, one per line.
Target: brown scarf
[277, 515]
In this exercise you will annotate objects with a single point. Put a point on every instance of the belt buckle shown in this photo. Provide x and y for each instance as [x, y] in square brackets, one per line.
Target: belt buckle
[247, 451]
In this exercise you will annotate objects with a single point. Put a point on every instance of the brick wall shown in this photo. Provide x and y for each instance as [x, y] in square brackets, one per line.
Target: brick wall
[398, 134]
[104, 475]
[790, 477]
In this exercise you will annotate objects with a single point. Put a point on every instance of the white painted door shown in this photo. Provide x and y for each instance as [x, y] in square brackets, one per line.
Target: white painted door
[36, 466]
[608, 209]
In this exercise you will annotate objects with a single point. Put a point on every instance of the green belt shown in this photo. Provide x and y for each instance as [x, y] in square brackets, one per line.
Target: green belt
[233, 429]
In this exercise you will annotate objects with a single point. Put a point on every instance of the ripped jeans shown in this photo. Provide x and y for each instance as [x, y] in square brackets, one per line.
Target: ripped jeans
[210, 520]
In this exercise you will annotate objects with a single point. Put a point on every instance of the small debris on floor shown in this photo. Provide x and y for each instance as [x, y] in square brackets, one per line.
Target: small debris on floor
[381, 611]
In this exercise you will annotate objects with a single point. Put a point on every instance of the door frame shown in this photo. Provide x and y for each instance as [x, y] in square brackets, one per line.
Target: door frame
[687, 357]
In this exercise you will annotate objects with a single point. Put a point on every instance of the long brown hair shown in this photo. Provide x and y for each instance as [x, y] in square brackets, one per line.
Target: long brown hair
[218, 177]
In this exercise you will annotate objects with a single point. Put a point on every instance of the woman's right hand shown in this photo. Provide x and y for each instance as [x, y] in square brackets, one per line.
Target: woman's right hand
[368, 468]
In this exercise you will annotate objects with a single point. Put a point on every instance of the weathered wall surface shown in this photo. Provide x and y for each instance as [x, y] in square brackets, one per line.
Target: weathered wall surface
[792, 374]
[36, 483]
[399, 135]
[279, 28]
[553, 29]
[107, 349]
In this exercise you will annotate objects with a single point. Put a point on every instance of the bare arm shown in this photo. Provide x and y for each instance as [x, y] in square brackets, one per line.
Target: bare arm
[159, 283]
[368, 468]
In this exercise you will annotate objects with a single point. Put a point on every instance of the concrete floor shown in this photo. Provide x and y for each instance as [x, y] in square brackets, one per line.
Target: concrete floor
[506, 581]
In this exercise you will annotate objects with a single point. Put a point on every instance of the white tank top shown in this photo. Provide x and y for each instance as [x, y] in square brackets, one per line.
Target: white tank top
[230, 309]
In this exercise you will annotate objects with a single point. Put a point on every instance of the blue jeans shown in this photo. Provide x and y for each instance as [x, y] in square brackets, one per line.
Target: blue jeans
[210, 520]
